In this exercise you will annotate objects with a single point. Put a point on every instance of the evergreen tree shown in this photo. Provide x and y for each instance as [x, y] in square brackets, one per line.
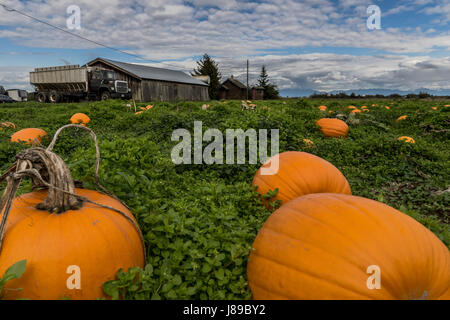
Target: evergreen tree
[263, 80]
[270, 90]
[208, 67]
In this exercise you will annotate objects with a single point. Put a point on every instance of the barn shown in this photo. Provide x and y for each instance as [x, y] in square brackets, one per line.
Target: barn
[155, 84]
[234, 89]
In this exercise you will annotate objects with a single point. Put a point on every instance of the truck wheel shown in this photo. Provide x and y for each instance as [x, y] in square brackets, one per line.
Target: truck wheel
[41, 97]
[105, 95]
[54, 97]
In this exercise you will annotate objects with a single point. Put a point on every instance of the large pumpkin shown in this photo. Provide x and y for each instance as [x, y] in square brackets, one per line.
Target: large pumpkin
[97, 240]
[333, 127]
[300, 173]
[330, 246]
[29, 136]
[74, 240]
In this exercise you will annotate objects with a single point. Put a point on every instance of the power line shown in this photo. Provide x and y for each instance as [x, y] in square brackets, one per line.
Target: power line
[81, 37]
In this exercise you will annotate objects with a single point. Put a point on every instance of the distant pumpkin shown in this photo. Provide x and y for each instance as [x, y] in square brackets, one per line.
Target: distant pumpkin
[364, 107]
[434, 108]
[80, 118]
[148, 107]
[356, 111]
[366, 110]
[387, 108]
[139, 112]
[308, 142]
[406, 139]
[351, 107]
[323, 108]
[333, 127]
[29, 136]
[401, 118]
[7, 124]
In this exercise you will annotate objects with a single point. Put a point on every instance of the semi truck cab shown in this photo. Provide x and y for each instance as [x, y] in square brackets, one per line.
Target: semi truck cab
[105, 85]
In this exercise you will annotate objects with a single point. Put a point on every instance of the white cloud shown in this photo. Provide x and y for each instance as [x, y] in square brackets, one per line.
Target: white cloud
[236, 29]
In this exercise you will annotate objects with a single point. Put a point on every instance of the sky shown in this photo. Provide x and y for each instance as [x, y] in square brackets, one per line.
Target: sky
[311, 45]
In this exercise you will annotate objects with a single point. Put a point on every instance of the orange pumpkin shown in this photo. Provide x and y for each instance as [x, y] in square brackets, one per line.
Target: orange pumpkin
[308, 142]
[401, 118]
[139, 112]
[327, 246]
[434, 108]
[80, 118]
[148, 107]
[388, 108]
[300, 173]
[7, 124]
[333, 127]
[406, 139]
[99, 241]
[74, 240]
[351, 107]
[29, 136]
[323, 108]
[356, 111]
[364, 107]
[366, 110]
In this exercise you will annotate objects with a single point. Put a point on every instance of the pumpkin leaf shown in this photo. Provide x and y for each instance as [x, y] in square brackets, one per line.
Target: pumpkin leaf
[15, 271]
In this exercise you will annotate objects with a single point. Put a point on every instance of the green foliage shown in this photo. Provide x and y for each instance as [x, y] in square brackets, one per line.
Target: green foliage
[13, 272]
[199, 221]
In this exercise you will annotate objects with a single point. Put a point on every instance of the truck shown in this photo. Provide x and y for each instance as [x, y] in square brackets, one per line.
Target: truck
[17, 94]
[74, 83]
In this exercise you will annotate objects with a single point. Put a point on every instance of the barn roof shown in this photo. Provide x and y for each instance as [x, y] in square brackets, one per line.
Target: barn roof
[151, 73]
[236, 82]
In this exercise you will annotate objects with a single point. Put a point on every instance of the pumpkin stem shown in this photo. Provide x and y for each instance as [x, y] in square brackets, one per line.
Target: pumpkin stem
[54, 172]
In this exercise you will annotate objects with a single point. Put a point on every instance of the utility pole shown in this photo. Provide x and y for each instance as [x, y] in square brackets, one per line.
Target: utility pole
[247, 79]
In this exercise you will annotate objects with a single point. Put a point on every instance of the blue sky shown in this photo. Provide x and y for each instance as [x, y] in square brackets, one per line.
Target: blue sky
[306, 45]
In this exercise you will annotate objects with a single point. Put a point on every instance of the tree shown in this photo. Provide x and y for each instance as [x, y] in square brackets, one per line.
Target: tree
[208, 67]
[270, 90]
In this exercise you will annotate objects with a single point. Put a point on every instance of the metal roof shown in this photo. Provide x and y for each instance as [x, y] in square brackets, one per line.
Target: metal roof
[152, 73]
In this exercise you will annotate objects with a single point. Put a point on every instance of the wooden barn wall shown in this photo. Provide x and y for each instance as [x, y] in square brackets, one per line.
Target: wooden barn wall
[133, 83]
[169, 91]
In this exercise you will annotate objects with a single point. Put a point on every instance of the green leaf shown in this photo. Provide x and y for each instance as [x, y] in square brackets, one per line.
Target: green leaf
[15, 271]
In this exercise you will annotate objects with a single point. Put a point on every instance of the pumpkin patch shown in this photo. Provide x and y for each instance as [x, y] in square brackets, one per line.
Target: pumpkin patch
[335, 209]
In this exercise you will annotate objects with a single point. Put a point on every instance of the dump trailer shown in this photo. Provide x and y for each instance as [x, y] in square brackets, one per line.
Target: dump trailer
[73, 83]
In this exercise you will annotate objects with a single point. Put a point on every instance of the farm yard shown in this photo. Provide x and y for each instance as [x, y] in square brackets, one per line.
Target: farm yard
[199, 221]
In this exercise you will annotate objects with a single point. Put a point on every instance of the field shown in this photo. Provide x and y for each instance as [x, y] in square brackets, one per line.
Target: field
[199, 221]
